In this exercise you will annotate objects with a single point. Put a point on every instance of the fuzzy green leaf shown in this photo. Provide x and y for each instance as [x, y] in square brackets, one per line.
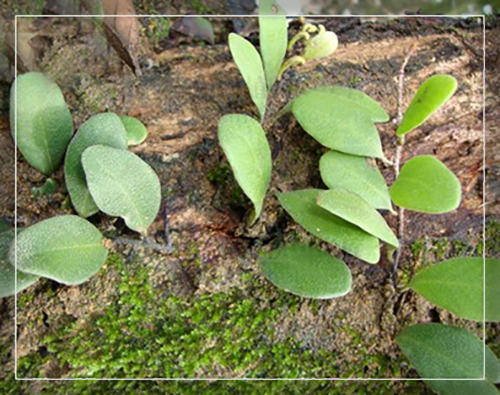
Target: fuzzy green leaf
[67, 249]
[122, 185]
[356, 210]
[321, 45]
[44, 124]
[136, 131]
[302, 206]
[440, 351]
[306, 271]
[425, 184]
[457, 285]
[273, 39]
[247, 150]
[101, 129]
[341, 119]
[249, 63]
[7, 271]
[354, 174]
[431, 95]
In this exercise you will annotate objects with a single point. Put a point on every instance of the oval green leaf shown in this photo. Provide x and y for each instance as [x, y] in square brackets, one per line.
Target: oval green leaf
[306, 271]
[273, 38]
[356, 210]
[302, 207]
[440, 351]
[457, 286]
[247, 150]
[135, 129]
[340, 119]
[354, 174]
[101, 129]
[8, 272]
[249, 63]
[44, 124]
[67, 249]
[122, 185]
[431, 95]
[425, 184]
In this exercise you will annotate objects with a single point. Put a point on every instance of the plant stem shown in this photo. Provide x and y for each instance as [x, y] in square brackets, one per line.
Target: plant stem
[397, 162]
[293, 61]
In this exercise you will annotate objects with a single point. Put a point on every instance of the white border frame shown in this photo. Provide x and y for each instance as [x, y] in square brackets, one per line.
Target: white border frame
[245, 378]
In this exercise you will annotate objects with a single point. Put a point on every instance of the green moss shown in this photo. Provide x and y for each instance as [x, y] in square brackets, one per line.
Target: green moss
[222, 176]
[492, 237]
[146, 333]
[200, 8]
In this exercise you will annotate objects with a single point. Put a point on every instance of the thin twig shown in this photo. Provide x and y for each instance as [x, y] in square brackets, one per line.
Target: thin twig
[397, 161]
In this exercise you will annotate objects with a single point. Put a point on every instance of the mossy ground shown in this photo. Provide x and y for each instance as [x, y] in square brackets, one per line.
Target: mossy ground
[142, 335]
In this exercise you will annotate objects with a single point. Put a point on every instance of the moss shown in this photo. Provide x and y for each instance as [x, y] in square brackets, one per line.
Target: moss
[145, 334]
[492, 237]
[200, 8]
[231, 192]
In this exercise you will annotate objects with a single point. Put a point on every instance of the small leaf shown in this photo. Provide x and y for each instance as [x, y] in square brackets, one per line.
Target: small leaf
[440, 351]
[101, 129]
[7, 271]
[354, 174]
[135, 129]
[197, 27]
[247, 150]
[354, 209]
[306, 271]
[340, 119]
[67, 249]
[273, 39]
[321, 45]
[302, 206]
[457, 285]
[44, 124]
[249, 63]
[122, 185]
[431, 95]
[425, 184]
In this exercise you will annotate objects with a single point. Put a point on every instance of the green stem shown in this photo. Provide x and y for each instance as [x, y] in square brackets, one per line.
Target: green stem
[296, 38]
[293, 61]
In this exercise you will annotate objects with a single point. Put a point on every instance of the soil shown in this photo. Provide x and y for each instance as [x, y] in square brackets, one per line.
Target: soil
[182, 94]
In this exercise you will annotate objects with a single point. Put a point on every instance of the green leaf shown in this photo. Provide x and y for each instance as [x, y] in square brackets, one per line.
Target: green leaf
[123, 185]
[431, 95]
[101, 129]
[457, 285]
[249, 63]
[7, 271]
[425, 184]
[67, 249]
[247, 150]
[306, 271]
[302, 206]
[321, 45]
[44, 124]
[273, 39]
[440, 351]
[356, 210]
[341, 119]
[354, 174]
[135, 129]
[462, 387]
